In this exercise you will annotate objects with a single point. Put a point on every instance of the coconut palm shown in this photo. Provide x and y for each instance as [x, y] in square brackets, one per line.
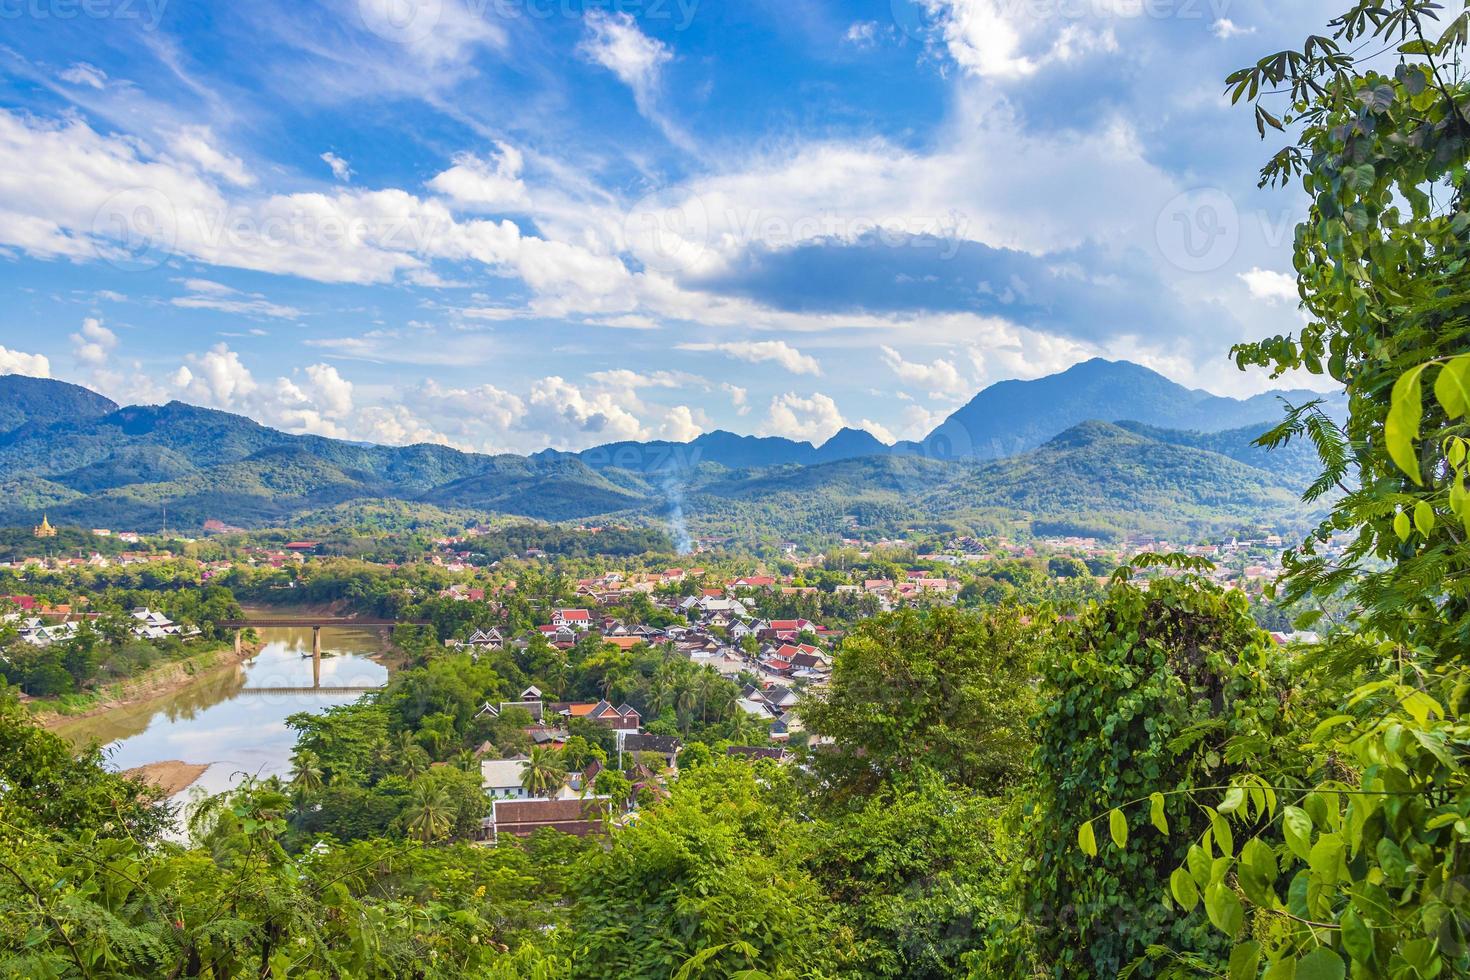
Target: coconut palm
[414, 761]
[544, 773]
[306, 772]
[430, 813]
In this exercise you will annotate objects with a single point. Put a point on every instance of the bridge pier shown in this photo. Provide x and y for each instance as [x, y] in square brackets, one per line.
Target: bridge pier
[316, 656]
[239, 643]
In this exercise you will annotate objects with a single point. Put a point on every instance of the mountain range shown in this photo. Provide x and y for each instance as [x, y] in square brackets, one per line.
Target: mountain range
[1104, 447]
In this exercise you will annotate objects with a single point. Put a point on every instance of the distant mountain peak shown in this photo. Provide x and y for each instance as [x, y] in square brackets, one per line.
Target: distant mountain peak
[42, 401]
[1012, 417]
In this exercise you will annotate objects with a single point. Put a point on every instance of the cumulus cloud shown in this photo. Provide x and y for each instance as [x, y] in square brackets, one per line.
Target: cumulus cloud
[739, 397]
[19, 362]
[940, 377]
[491, 183]
[758, 351]
[813, 418]
[1271, 286]
[1003, 40]
[93, 344]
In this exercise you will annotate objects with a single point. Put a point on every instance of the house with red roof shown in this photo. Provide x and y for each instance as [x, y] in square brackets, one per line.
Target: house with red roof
[577, 619]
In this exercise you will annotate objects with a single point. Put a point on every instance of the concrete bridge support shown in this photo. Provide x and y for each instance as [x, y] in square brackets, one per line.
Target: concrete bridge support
[316, 656]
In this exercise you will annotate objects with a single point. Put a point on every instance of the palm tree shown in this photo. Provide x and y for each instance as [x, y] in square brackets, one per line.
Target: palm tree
[429, 813]
[413, 762]
[306, 772]
[544, 773]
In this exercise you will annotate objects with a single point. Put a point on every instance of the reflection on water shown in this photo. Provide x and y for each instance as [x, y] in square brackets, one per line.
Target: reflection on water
[216, 722]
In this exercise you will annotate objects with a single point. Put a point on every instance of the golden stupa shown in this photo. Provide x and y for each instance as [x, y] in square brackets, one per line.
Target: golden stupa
[44, 529]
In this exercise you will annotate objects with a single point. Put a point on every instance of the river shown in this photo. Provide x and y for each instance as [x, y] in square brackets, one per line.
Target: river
[218, 721]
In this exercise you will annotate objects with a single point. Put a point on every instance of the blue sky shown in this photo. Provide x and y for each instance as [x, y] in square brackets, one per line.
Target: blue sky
[511, 224]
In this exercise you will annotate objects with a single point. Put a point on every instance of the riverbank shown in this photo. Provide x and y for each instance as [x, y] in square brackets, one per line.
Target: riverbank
[155, 682]
[171, 775]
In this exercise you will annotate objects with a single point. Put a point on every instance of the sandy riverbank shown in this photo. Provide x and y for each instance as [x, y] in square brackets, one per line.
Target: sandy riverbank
[156, 682]
[171, 775]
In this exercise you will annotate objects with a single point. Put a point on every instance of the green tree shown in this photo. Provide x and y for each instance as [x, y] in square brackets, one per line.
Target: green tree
[544, 772]
[941, 688]
[429, 813]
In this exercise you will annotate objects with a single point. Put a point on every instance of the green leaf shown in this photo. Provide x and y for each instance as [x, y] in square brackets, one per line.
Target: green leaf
[1296, 827]
[1182, 887]
[1401, 526]
[1118, 828]
[1087, 840]
[1357, 938]
[1156, 812]
[1234, 797]
[1284, 969]
[1321, 964]
[1223, 835]
[1401, 428]
[1245, 960]
[1325, 858]
[1223, 907]
[1423, 518]
[1452, 387]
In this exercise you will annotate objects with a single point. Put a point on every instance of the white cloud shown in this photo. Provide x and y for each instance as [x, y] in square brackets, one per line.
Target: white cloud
[217, 378]
[1271, 286]
[341, 169]
[489, 183]
[615, 42]
[93, 344]
[880, 430]
[756, 351]
[197, 145]
[83, 73]
[941, 377]
[1225, 29]
[814, 419]
[739, 397]
[633, 380]
[862, 34]
[19, 362]
[209, 295]
[681, 424]
[1005, 40]
[572, 417]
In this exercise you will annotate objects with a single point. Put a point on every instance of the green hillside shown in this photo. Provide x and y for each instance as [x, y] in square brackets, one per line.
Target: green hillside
[41, 401]
[1103, 479]
[124, 467]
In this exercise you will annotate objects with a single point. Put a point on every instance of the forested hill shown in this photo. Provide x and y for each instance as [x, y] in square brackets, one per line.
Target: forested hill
[41, 401]
[121, 467]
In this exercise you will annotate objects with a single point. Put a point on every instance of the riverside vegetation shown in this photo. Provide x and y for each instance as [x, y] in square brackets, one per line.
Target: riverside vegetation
[1149, 788]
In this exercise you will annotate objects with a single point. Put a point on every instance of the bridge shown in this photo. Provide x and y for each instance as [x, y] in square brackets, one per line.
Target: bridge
[315, 624]
[282, 691]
